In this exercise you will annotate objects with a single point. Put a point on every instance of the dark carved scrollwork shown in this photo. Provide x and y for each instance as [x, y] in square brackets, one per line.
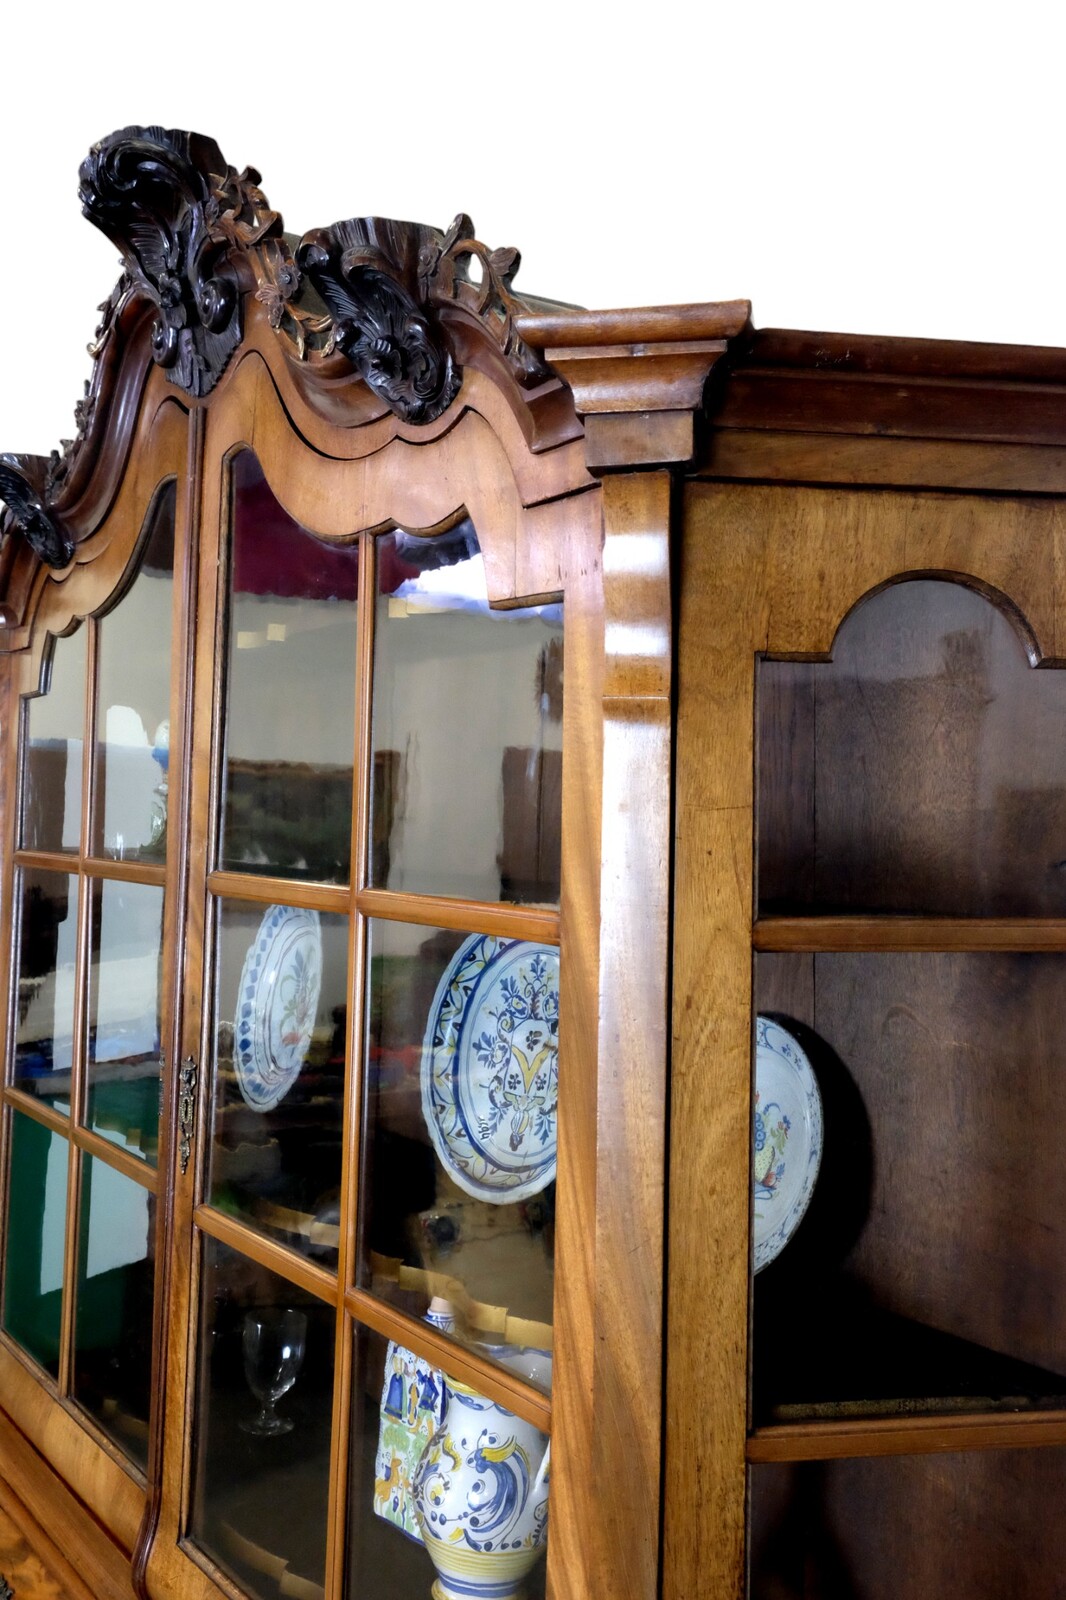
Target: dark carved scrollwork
[24, 490]
[178, 212]
[366, 272]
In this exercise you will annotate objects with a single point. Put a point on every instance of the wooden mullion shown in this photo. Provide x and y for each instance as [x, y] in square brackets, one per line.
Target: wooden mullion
[47, 1116]
[351, 1163]
[65, 861]
[871, 934]
[495, 1383]
[896, 1436]
[113, 1155]
[261, 1249]
[461, 916]
[280, 891]
[154, 874]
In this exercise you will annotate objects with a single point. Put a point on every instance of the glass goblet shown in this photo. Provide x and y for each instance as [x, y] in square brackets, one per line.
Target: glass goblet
[274, 1341]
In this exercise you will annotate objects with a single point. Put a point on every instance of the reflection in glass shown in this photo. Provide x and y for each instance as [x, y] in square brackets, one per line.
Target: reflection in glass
[113, 1330]
[425, 1448]
[921, 770]
[47, 948]
[33, 1262]
[290, 691]
[467, 729]
[460, 1097]
[133, 701]
[51, 774]
[280, 1013]
[260, 1497]
[124, 1022]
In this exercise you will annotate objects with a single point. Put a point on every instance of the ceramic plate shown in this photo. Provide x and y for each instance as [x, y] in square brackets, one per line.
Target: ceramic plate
[276, 1005]
[490, 1067]
[788, 1138]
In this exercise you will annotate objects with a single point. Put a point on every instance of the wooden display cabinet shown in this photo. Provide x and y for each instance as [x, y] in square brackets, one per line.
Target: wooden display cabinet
[380, 624]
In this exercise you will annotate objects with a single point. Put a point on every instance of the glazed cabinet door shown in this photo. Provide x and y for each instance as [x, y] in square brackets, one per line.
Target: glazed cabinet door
[870, 989]
[93, 902]
[360, 1323]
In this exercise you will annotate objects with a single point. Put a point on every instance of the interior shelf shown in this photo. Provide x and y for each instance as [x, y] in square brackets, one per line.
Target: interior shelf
[815, 934]
[853, 1379]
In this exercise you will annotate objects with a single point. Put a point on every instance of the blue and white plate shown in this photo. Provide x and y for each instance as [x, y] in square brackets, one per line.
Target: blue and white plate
[490, 1067]
[276, 1005]
[788, 1138]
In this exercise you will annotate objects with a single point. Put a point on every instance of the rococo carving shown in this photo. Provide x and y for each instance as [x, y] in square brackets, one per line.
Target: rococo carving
[24, 490]
[366, 272]
[395, 298]
[179, 213]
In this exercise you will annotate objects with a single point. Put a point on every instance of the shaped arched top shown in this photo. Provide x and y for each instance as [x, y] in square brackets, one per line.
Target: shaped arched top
[921, 769]
[858, 614]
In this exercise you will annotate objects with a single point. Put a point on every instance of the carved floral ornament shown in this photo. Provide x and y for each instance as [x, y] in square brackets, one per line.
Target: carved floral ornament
[195, 235]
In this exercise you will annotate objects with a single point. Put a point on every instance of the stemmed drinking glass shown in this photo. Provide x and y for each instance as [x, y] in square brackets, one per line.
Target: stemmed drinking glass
[274, 1341]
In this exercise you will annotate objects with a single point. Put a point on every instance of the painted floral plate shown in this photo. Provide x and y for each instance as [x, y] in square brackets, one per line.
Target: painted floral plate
[276, 1004]
[490, 1067]
[788, 1138]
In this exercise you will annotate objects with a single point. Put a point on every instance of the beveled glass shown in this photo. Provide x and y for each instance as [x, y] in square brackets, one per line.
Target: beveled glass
[262, 1434]
[35, 1239]
[467, 729]
[125, 995]
[400, 1402]
[460, 1089]
[133, 701]
[922, 770]
[289, 706]
[113, 1315]
[280, 1013]
[44, 1036]
[52, 751]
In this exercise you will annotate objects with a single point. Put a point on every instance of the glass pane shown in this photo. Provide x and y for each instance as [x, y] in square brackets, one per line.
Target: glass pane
[467, 729]
[133, 701]
[263, 1409]
[280, 1016]
[113, 1333]
[922, 770]
[36, 1233]
[125, 993]
[47, 947]
[429, 1455]
[55, 724]
[929, 1261]
[290, 700]
[975, 1523]
[461, 1088]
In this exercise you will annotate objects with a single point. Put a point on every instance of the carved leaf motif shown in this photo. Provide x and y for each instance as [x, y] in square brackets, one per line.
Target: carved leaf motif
[359, 268]
[177, 210]
[22, 488]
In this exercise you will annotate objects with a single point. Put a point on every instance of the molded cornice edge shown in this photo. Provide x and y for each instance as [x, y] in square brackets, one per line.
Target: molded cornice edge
[637, 376]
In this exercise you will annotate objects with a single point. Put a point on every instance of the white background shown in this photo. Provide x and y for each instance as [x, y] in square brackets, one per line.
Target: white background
[865, 168]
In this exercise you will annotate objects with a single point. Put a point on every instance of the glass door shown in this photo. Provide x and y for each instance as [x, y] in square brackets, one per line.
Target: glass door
[93, 998]
[369, 1203]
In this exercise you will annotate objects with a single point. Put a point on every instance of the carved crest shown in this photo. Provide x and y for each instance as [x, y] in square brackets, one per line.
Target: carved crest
[366, 272]
[177, 210]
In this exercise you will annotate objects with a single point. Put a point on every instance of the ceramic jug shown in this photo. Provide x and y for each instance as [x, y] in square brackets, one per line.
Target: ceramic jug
[481, 1498]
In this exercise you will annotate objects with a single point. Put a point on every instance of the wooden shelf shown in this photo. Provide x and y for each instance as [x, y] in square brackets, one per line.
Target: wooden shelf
[896, 1436]
[844, 934]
